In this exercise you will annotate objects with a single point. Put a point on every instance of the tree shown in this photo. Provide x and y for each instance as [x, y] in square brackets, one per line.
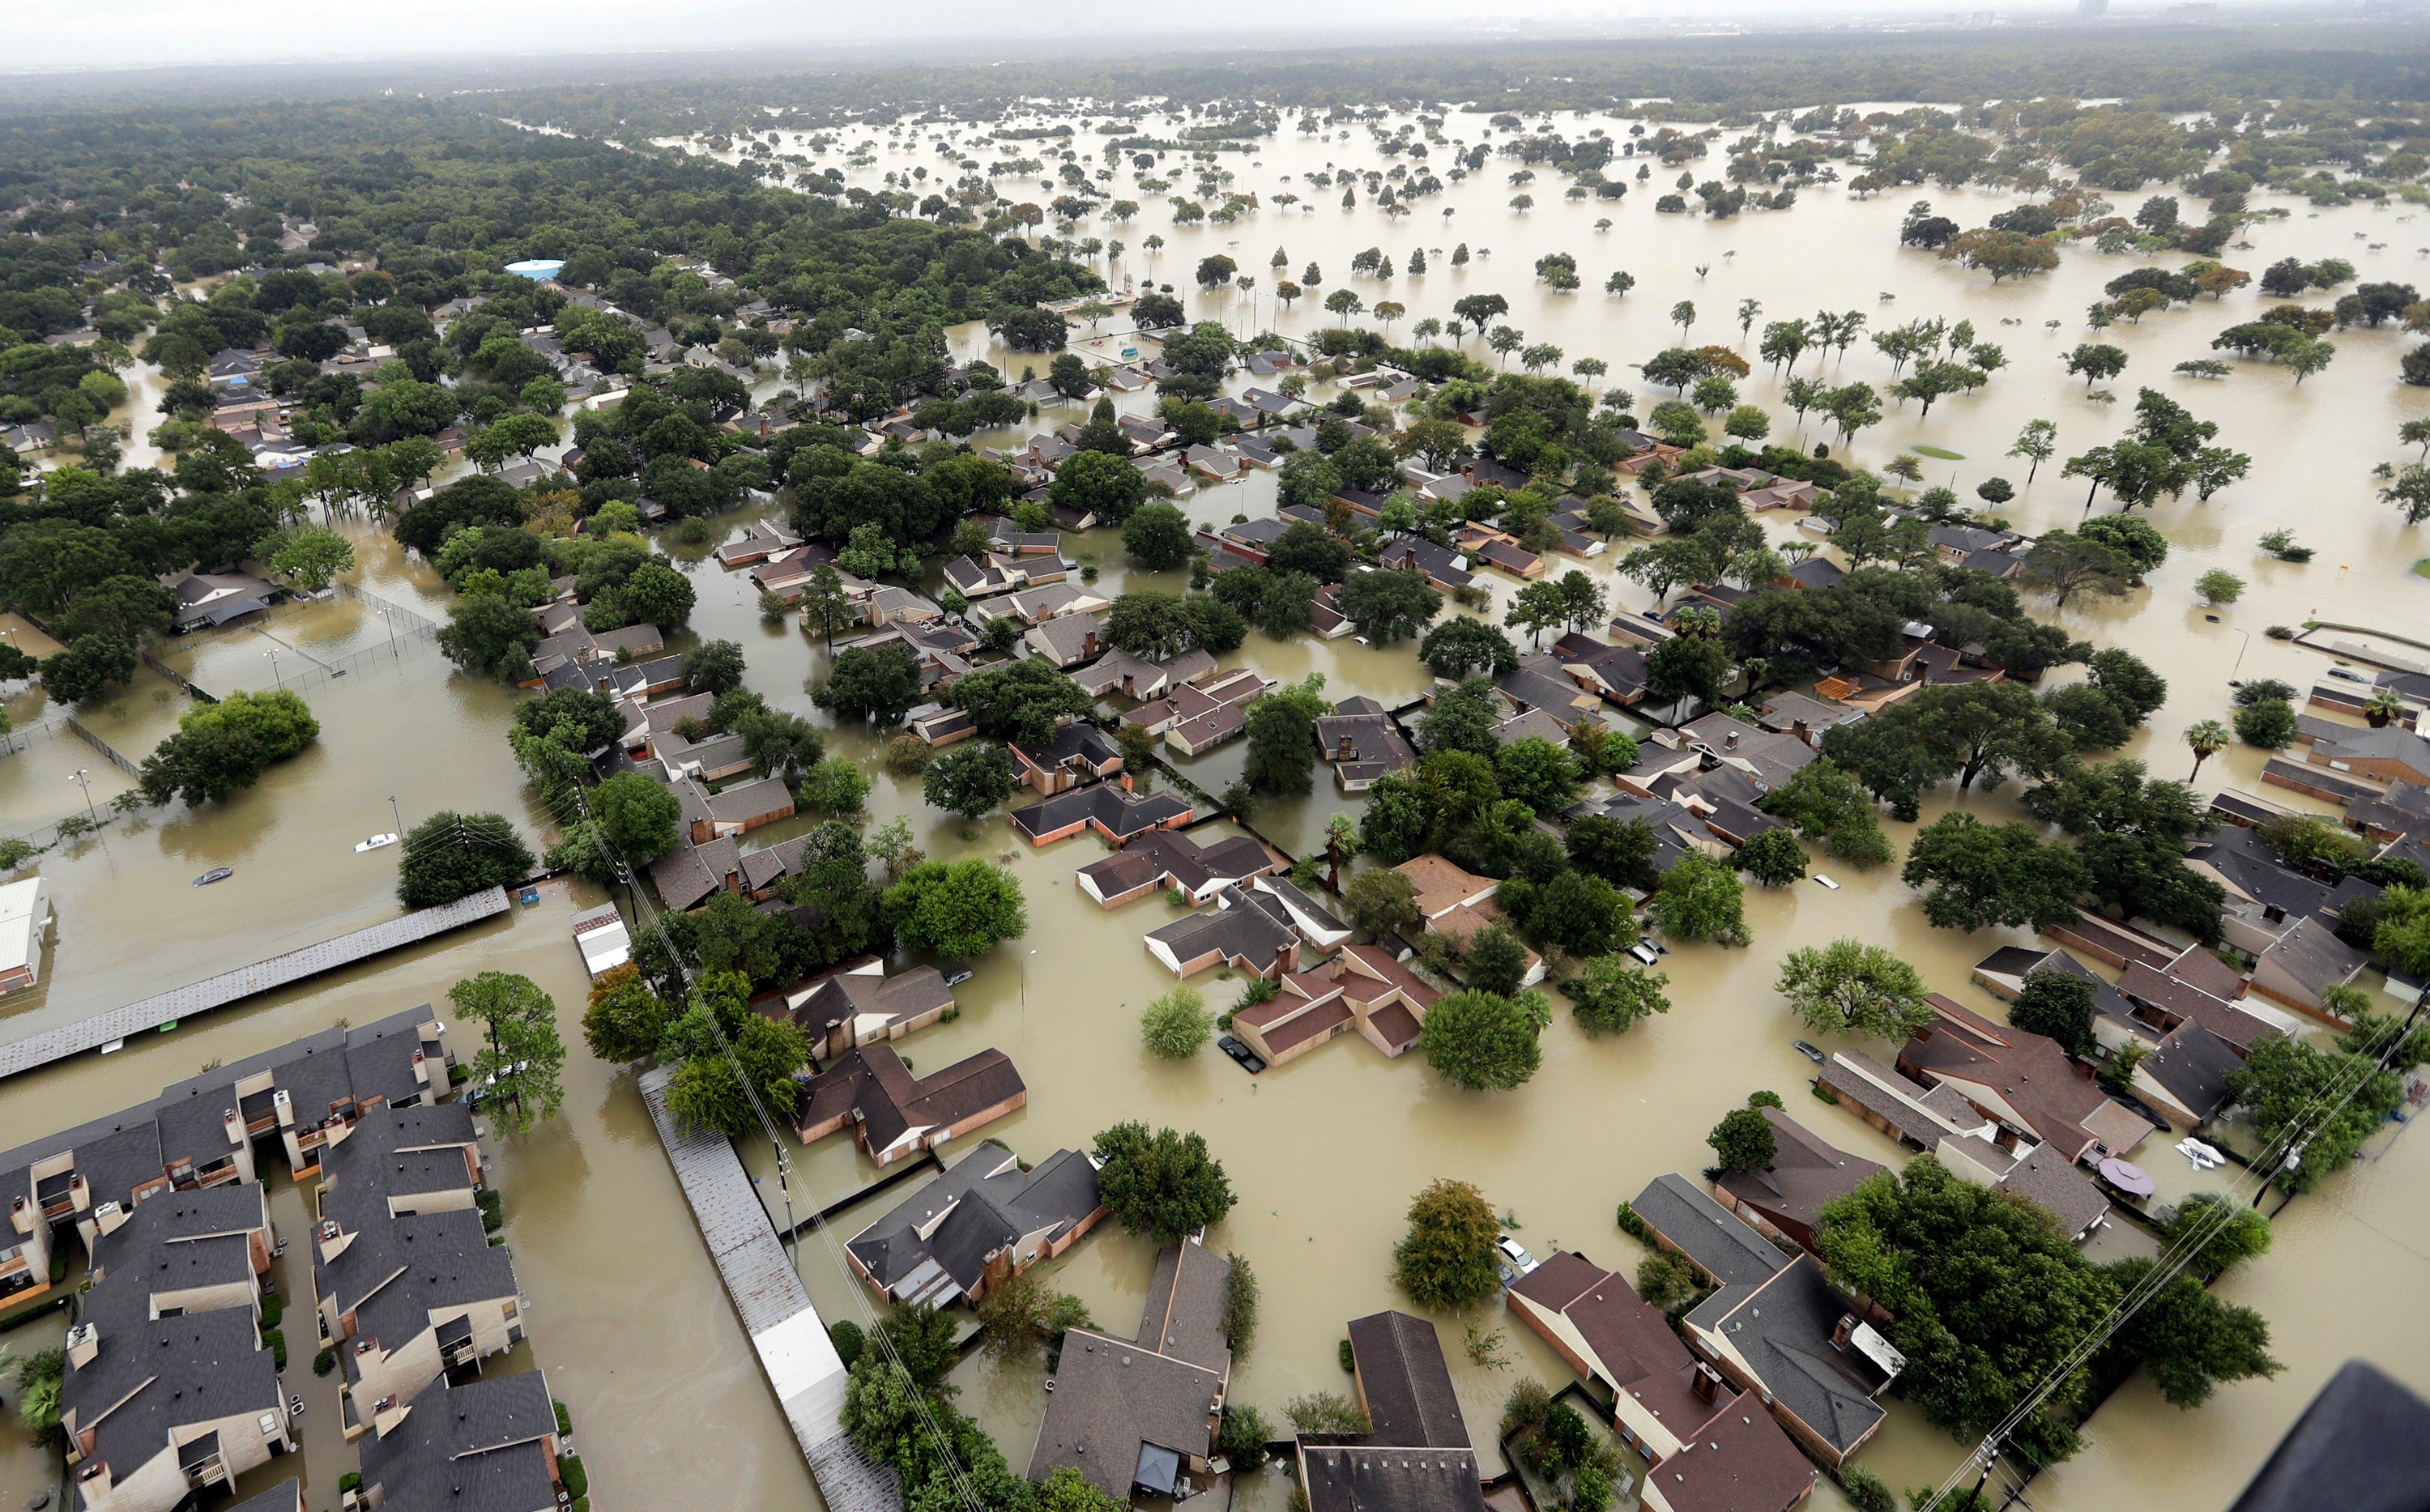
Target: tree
[1700, 899]
[1446, 1258]
[2207, 738]
[1460, 646]
[1494, 962]
[713, 667]
[969, 780]
[2228, 1232]
[1831, 809]
[729, 1055]
[2096, 362]
[221, 747]
[2064, 564]
[1157, 537]
[2271, 724]
[521, 1057]
[1849, 986]
[1176, 1023]
[2131, 833]
[1480, 1040]
[1610, 994]
[1020, 1314]
[1383, 903]
[2190, 1341]
[625, 1019]
[1389, 604]
[2409, 492]
[487, 633]
[1022, 702]
[1743, 1140]
[1975, 874]
[956, 910]
[451, 855]
[1687, 666]
[1282, 736]
[2058, 1005]
[636, 815]
[2219, 587]
[1539, 773]
[1773, 858]
[1095, 483]
[307, 555]
[880, 684]
[1164, 1186]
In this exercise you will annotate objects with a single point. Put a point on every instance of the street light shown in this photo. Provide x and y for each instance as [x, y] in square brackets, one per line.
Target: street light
[394, 815]
[272, 655]
[82, 778]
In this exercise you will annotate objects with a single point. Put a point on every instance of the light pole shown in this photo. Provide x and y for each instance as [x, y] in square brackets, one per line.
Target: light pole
[82, 778]
[391, 621]
[393, 814]
[275, 676]
[2241, 647]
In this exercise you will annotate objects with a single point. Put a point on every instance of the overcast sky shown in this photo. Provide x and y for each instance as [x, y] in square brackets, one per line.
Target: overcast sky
[118, 33]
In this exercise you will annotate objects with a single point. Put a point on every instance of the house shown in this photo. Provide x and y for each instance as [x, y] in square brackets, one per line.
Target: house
[1077, 752]
[1456, 903]
[169, 1388]
[490, 1444]
[1402, 1384]
[1139, 1414]
[1667, 1405]
[1118, 671]
[1785, 1200]
[1807, 719]
[2305, 962]
[209, 600]
[1363, 990]
[741, 809]
[2037, 1174]
[940, 726]
[1194, 718]
[2382, 756]
[25, 918]
[1444, 570]
[982, 1221]
[2024, 1082]
[1802, 1350]
[1068, 640]
[1361, 741]
[1164, 859]
[1035, 605]
[1107, 808]
[858, 1004]
[685, 878]
[788, 574]
[1615, 674]
[406, 1283]
[605, 942]
[894, 1116]
[1721, 1249]
[1009, 540]
[1248, 930]
[1500, 550]
[757, 544]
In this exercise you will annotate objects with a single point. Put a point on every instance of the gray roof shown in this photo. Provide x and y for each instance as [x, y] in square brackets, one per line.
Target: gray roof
[949, 1229]
[1782, 1329]
[475, 1448]
[2192, 1064]
[1358, 1475]
[1241, 930]
[1407, 1386]
[1707, 1233]
[1183, 1316]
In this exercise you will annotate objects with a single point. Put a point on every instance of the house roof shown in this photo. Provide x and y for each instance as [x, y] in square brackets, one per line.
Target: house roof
[1406, 1383]
[1782, 1329]
[1740, 1462]
[1353, 1474]
[1174, 854]
[2028, 1071]
[1183, 1316]
[1124, 814]
[1442, 885]
[1804, 1173]
[1706, 1232]
[475, 1448]
[951, 1228]
[1238, 931]
[872, 1082]
[1635, 1347]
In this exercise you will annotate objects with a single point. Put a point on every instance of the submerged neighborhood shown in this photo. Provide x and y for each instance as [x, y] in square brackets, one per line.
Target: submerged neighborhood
[695, 760]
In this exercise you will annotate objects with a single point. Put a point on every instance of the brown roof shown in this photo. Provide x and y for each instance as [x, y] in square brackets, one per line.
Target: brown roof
[2030, 1071]
[1633, 1343]
[1741, 1461]
[1805, 1172]
[1184, 1315]
[872, 1082]
[1441, 886]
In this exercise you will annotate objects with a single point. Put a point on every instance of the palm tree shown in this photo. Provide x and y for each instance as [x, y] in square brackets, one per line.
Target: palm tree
[2209, 739]
[2383, 709]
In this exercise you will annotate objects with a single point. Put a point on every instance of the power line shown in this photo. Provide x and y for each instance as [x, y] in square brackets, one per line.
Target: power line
[2281, 1155]
[653, 920]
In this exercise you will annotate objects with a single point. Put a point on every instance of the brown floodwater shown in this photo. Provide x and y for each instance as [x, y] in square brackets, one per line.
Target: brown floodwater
[1325, 1152]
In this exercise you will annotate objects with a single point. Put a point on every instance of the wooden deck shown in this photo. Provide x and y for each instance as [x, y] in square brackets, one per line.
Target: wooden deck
[800, 1362]
[37, 1049]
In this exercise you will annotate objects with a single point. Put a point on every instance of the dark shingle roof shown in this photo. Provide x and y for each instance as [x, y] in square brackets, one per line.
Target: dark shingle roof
[1407, 1386]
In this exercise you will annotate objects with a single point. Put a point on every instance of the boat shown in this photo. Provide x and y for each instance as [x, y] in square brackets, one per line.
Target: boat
[217, 873]
[374, 843]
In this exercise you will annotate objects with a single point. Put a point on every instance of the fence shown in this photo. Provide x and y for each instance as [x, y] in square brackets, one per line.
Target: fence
[108, 751]
[192, 689]
[395, 612]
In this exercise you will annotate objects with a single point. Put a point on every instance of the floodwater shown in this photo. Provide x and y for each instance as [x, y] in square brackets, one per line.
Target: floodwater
[1324, 1153]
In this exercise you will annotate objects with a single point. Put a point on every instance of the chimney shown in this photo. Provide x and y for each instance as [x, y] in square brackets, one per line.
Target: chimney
[1730, 741]
[233, 1124]
[84, 1345]
[21, 1215]
[285, 1107]
[1841, 1331]
[1802, 733]
[1705, 1383]
[1347, 750]
[1088, 646]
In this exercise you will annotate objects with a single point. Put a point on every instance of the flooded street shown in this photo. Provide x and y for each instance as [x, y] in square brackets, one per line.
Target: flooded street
[631, 1325]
